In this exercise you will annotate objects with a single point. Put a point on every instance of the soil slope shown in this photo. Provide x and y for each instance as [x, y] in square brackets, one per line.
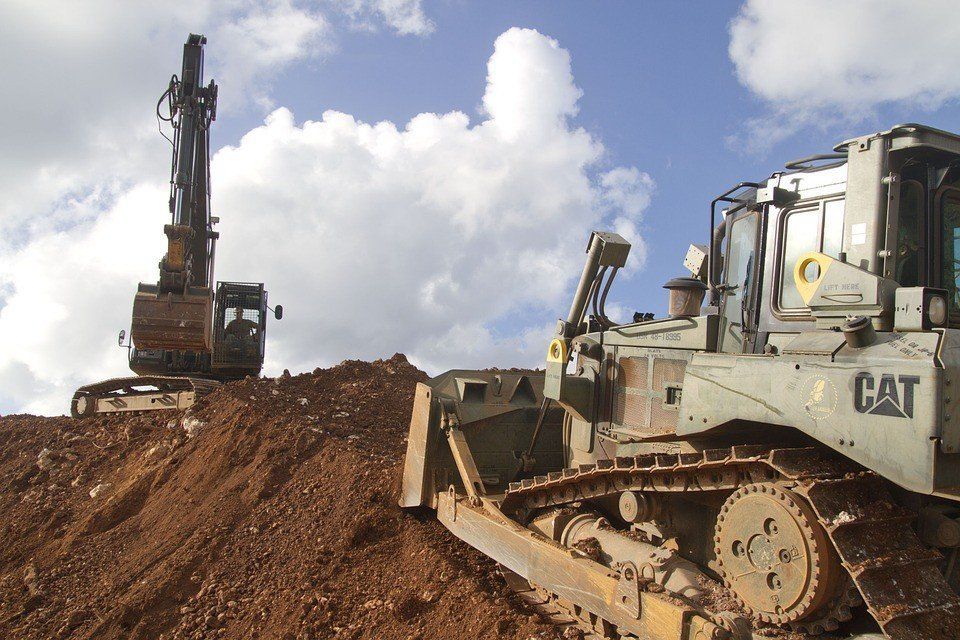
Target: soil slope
[268, 510]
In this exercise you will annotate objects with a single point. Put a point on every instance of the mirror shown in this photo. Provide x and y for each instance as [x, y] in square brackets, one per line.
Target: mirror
[122, 337]
[278, 312]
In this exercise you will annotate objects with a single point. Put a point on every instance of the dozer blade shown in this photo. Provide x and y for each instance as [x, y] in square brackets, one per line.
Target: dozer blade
[176, 322]
[138, 393]
[496, 412]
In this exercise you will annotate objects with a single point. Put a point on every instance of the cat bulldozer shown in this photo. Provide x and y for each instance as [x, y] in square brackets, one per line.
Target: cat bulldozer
[778, 456]
[186, 337]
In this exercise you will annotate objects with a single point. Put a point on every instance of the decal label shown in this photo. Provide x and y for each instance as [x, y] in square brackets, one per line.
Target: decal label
[891, 396]
[819, 397]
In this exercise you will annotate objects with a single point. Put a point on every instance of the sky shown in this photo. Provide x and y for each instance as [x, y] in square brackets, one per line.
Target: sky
[415, 176]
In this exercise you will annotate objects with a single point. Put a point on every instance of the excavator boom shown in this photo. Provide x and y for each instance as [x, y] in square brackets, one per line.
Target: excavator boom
[176, 312]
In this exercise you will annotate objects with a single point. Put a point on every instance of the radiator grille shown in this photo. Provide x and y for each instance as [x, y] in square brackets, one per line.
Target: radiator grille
[639, 407]
[633, 373]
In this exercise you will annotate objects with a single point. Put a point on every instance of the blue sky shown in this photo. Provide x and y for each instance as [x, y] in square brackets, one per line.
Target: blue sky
[659, 90]
[416, 175]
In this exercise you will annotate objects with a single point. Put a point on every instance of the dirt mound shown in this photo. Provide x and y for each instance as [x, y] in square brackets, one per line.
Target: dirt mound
[266, 511]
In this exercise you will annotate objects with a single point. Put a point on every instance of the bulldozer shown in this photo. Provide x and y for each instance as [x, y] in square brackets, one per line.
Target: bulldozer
[779, 455]
[186, 337]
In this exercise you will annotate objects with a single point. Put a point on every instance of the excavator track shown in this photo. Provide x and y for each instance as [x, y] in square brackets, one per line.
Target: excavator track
[896, 575]
[128, 394]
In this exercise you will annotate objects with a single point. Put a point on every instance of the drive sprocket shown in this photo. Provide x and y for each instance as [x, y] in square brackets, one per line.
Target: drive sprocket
[778, 561]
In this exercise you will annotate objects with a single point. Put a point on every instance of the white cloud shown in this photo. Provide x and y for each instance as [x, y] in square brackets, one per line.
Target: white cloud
[86, 77]
[820, 62]
[71, 292]
[263, 40]
[437, 238]
[406, 17]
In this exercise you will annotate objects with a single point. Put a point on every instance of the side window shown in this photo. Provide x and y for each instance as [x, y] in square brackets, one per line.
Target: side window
[832, 243]
[816, 229]
[910, 235]
[950, 249]
[799, 237]
[738, 280]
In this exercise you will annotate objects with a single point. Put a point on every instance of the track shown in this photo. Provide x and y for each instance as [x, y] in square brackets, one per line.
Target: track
[895, 574]
[126, 394]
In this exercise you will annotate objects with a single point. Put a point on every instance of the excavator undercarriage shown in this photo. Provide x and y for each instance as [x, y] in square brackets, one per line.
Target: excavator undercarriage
[139, 393]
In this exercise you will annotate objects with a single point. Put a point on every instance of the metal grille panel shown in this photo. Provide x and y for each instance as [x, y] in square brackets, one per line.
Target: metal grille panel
[631, 410]
[640, 404]
[667, 372]
[633, 372]
[662, 420]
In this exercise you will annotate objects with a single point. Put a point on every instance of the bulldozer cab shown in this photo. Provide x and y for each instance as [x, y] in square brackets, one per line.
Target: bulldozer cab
[239, 328]
[888, 204]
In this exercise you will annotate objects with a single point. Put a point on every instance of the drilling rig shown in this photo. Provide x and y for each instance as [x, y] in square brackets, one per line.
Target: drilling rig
[186, 337]
[779, 455]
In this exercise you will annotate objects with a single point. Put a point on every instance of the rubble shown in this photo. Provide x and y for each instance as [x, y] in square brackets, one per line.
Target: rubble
[267, 523]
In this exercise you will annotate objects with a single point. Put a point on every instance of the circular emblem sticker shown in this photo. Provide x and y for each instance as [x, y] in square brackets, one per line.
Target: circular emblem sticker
[819, 397]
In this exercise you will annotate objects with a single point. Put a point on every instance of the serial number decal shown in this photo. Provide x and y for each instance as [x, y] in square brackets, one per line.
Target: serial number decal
[672, 336]
[891, 396]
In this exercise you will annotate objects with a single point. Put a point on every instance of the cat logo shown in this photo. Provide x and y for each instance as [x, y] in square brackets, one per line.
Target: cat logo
[819, 397]
[894, 394]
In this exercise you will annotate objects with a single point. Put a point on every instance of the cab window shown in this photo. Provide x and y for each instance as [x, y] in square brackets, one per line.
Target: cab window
[818, 228]
[738, 280]
[950, 248]
[910, 235]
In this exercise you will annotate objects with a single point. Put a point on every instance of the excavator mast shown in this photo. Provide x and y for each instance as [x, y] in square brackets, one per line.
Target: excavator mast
[176, 312]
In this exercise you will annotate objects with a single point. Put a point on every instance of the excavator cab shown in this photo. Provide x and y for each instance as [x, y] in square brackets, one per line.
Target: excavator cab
[239, 328]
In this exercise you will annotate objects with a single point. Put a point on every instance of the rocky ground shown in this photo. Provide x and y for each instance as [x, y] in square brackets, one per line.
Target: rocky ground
[268, 510]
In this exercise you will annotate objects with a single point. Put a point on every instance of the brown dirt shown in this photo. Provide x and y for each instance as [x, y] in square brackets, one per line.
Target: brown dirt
[266, 511]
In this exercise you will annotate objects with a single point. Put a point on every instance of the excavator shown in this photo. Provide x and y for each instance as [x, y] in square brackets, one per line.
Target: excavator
[186, 337]
[779, 456]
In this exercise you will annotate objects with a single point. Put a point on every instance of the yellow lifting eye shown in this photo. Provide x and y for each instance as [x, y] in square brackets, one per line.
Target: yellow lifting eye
[557, 352]
[808, 272]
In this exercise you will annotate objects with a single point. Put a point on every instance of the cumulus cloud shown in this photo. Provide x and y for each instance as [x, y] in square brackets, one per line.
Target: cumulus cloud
[70, 292]
[821, 62]
[421, 238]
[452, 241]
[261, 40]
[87, 75]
